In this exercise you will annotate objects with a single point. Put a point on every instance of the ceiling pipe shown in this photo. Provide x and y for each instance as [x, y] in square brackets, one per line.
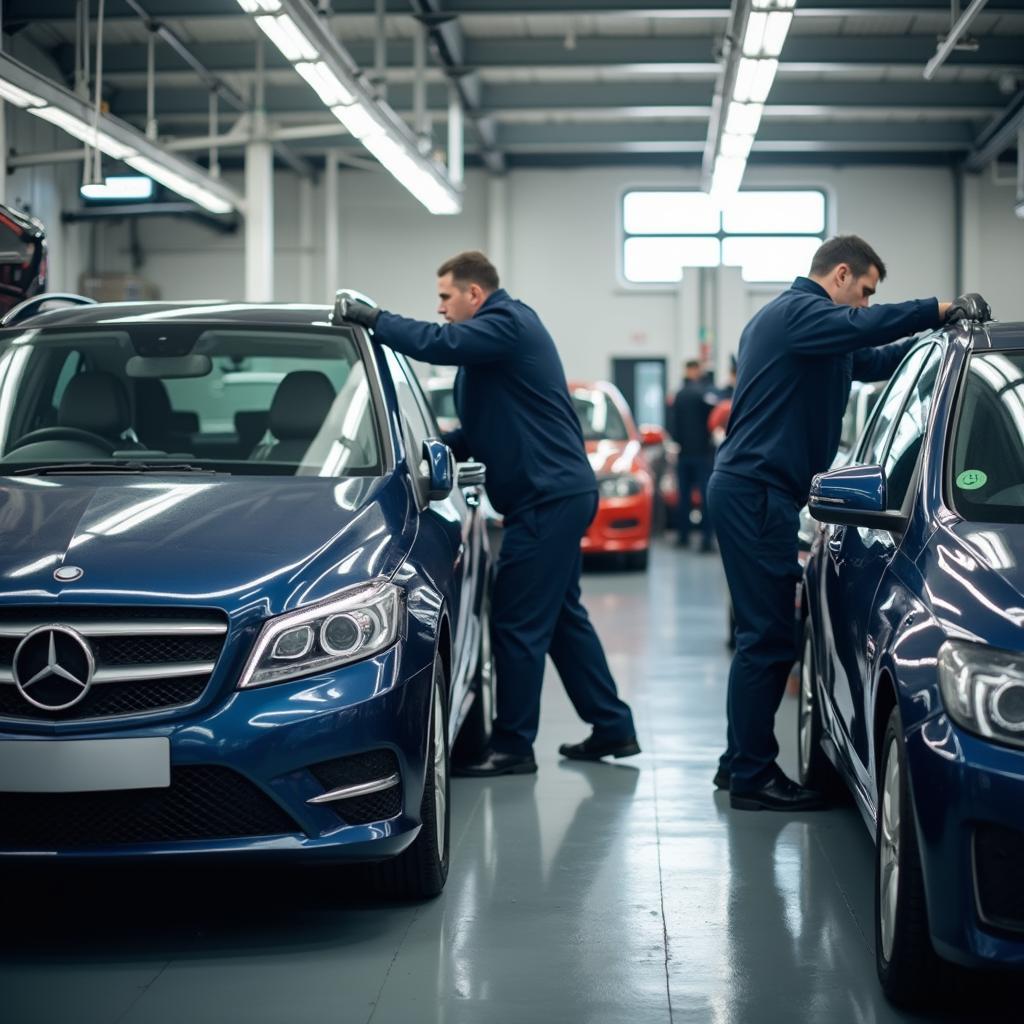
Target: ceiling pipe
[956, 33]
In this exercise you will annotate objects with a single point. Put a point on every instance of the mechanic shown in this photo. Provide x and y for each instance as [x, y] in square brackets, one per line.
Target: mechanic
[518, 419]
[691, 408]
[796, 359]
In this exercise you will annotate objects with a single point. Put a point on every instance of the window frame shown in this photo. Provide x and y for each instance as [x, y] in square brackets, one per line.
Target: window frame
[671, 286]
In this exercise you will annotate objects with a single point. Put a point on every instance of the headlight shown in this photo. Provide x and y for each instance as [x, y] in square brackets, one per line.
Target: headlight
[361, 622]
[983, 690]
[619, 486]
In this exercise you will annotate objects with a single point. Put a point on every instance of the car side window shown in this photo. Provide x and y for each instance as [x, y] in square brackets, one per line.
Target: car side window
[877, 439]
[414, 421]
[907, 438]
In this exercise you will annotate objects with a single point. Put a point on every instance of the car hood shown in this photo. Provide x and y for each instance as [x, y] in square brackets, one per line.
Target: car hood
[975, 580]
[220, 540]
[607, 457]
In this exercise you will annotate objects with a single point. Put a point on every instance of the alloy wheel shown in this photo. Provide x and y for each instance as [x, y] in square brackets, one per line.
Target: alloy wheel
[440, 770]
[889, 850]
[806, 708]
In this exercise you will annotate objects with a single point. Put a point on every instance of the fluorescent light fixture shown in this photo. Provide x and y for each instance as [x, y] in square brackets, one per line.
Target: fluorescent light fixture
[393, 157]
[361, 124]
[743, 118]
[179, 183]
[775, 32]
[119, 187]
[20, 98]
[754, 80]
[285, 35]
[728, 174]
[83, 132]
[755, 33]
[769, 5]
[260, 6]
[325, 84]
[736, 145]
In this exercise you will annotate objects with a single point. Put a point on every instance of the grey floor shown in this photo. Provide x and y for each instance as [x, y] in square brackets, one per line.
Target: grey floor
[589, 894]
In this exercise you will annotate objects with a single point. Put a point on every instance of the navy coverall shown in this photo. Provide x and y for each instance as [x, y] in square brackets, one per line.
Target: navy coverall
[518, 419]
[797, 357]
[690, 410]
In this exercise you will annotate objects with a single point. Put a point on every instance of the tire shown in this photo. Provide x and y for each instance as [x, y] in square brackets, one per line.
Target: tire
[420, 871]
[475, 733]
[909, 970]
[814, 768]
[637, 561]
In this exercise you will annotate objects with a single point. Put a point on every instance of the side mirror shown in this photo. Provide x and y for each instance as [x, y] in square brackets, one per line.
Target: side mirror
[854, 496]
[651, 436]
[437, 469]
[472, 474]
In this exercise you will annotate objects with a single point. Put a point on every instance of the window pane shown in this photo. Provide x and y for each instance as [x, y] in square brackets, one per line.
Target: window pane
[669, 213]
[662, 259]
[775, 211]
[908, 437]
[770, 259]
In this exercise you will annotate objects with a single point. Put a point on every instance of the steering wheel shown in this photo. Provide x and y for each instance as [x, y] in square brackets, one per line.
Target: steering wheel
[66, 434]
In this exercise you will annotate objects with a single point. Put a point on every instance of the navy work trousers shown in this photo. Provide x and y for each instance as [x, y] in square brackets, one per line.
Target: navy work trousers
[757, 529]
[536, 611]
[693, 471]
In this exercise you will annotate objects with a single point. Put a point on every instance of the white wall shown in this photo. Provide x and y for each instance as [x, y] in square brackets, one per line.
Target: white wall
[562, 243]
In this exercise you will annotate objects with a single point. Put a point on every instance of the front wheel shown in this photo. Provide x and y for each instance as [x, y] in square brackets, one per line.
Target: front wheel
[908, 967]
[421, 871]
[475, 733]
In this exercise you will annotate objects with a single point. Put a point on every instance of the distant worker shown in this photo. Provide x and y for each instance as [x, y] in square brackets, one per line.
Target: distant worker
[688, 424]
[517, 417]
[797, 357]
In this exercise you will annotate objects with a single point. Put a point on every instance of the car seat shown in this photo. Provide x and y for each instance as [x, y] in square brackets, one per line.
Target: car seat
[97, 402]
[301, 404]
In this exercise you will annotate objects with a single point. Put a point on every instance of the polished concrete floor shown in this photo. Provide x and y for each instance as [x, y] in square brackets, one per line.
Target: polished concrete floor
[590, 894]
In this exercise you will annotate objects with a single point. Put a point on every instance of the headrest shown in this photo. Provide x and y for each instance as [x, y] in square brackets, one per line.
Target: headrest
[97, 402]
[301, 404]
[152, 402]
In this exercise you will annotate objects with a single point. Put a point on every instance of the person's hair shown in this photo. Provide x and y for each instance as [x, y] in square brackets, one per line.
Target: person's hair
[471, 267]
[851, 250]
[692, 364]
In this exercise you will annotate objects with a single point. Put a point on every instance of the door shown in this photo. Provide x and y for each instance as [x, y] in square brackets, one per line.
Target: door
[857, 558]
[642, 383]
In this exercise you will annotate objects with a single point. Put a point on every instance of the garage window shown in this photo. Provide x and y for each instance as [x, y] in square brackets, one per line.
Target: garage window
[770, 236]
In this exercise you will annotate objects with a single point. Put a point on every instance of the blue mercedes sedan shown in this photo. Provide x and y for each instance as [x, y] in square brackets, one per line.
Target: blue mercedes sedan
[912, 681]
[243, 592]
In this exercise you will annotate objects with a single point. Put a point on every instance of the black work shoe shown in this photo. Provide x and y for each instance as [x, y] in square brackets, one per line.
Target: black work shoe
[722, 778]
[777, 794]
[493, 762]
[593, 748]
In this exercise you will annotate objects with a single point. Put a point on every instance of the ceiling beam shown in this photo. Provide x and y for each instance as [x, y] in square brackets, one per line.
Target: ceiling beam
[998, 136]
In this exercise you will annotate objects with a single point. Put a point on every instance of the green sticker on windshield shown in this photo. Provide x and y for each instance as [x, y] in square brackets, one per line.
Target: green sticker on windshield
[971, 480]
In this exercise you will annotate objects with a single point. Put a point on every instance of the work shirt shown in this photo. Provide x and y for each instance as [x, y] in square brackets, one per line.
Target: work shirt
[511, 396]
[796, 359]
[689, 423]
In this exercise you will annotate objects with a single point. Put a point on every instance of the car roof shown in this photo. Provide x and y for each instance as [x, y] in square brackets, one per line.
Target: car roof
[107, 314]
[1000, 336]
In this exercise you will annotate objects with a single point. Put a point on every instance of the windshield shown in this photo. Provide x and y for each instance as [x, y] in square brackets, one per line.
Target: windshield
[598, 416]
[236, 399]
[986, 475]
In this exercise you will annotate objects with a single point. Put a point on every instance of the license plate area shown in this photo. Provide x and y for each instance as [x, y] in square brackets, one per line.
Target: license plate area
[81, 766]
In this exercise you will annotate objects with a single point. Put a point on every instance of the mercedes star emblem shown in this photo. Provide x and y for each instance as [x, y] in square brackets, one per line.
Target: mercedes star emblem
[68, 574]
[53, 668]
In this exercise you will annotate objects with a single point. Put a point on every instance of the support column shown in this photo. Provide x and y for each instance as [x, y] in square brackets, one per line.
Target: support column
[308, 287]
[497, 226]
[3, 152]
[332, 281]
[456, 136]
[259, 216]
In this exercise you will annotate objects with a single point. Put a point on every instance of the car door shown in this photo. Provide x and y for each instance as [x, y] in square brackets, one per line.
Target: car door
[855, 558]
[460, 514]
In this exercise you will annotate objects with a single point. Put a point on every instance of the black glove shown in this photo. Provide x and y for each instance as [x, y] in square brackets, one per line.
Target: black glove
[352, 311]
[969, 307]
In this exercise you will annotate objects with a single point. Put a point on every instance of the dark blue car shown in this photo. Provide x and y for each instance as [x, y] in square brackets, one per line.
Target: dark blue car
[913, 657]
[243, 592]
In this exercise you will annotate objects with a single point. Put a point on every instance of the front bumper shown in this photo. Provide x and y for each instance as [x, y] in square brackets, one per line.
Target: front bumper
[257, 745]
[967, 790]
[621, 525]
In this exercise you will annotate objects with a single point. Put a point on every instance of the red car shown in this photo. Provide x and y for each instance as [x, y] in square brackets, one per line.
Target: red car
[615, 448]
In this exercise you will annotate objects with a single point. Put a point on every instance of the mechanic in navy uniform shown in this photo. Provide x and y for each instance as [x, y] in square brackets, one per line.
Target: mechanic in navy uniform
[688, 425]
[518, 419]
[796, 360]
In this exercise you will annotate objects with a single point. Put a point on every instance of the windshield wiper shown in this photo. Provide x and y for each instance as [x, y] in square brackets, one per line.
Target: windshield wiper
[94, 468]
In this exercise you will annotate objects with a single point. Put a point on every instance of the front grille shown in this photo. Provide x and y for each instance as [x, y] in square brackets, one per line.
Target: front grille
[202, 802]
[174, 650]
[353, 771]
[998, 880]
